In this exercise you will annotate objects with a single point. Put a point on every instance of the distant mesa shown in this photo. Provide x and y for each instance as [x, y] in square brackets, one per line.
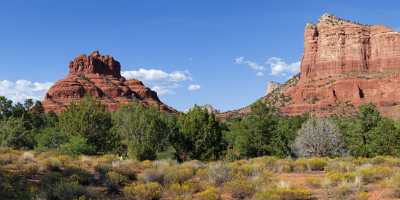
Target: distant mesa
[344, 64]
[99, 76]
[210, 109]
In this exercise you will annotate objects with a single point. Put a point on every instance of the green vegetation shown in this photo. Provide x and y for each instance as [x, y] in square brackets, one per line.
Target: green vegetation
[199, 136]
[55, 176]
[89, 153]
[142, 133]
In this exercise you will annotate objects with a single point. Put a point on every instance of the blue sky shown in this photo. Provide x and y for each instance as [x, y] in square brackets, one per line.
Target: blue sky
[193, 52]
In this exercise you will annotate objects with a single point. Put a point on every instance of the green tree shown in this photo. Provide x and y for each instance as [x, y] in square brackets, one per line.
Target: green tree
[385, 138]
[252, 135]
[368, 117]
[199, 136]
[284, 135]
[89, 119]
[13, 133]
[369, 134]
[360, 132]
[50, 138]
[5, 107]
[76, 145]
[141, 129]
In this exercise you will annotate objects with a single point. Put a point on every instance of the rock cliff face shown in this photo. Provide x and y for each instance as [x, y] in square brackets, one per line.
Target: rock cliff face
[344, 64]
[100, 77]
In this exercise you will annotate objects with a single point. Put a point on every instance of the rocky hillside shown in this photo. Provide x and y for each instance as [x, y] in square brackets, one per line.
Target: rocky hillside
[99, 76]
[344, 64]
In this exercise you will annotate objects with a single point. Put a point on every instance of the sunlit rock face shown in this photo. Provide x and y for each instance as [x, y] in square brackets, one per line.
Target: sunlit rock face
[346, 64]
[100, 77]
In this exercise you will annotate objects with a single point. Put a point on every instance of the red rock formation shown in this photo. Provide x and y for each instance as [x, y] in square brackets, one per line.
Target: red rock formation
[100, 77]
[344, 64]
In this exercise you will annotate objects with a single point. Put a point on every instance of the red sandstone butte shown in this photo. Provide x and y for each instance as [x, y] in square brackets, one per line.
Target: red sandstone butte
[100, 77]
[344, 64]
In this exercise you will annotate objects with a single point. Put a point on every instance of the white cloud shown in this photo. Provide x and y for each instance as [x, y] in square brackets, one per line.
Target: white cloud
[21, 90]
[260, 74]
[164, 83]
[157, 75]
[251, 64]
[163, 90]
[277, 65]
[280, 68]
[194, 87]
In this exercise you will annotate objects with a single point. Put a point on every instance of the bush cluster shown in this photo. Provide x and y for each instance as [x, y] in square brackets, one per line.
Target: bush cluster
[51, 175]
[143, 133]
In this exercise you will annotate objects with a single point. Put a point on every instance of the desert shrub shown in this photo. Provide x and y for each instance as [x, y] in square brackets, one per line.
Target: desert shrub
[53, 164]
[313, 182]
[211, 193]
[29, 170]
[67, 191]
[127, 168]
[102, 169]
[264, 178]
[283, 165]
[316, 164]
[335, 178]
[284, 194]
[383, 160]
[194, 164]
[294, 193]
[114, 181]
[372, 174]
[319, 137]
[27, 157]
[269, 162]
[362, 196]
[219, 173]
[239, 188]
[182, 191]
[8, 156]
[300, 165]
[340, 166]
[153, 175]
[395, 185]
[143, 191]
[77, 145]
[345, 190]
[243, 170]
[178, 174]
[14, 186]
[53, 186]
[79, 175]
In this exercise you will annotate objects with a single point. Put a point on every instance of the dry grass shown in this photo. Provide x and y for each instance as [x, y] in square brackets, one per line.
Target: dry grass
[111, 177]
